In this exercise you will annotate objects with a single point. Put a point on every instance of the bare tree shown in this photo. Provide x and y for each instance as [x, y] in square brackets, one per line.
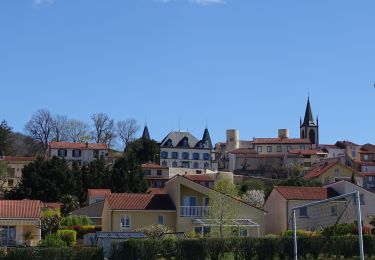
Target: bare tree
[77, 131]
[103, 128]
[58, 128]
[39, 127]
[126, 130]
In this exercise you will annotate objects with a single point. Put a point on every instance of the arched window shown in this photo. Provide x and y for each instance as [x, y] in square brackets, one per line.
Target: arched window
[175, 155]
[312, 136]
[206, 156]
[164, 155]
[196, 156]
[196, 165]
[174, 164]
[185, 156]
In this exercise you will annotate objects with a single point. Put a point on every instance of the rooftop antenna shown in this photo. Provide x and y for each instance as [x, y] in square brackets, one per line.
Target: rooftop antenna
[179, 125]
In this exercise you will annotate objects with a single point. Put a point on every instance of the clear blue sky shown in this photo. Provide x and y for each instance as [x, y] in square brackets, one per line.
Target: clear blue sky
[245, 64]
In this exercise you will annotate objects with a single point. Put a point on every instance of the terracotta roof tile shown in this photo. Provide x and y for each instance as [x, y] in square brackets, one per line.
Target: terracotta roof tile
[243, 151]
[281, 141]
[82, 146]
[98, 192]
[30, 209]
[200, 177]
[305, 193]
[306, 152]
[320, 170]
[367, 163]
[153, 166]
[140, 201]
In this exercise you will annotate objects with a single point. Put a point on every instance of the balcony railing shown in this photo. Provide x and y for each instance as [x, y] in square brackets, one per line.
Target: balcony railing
[194, 211]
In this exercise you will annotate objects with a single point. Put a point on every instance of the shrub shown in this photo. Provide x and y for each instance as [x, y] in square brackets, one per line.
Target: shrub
[190, 249]
[216, 247]
[340, 230]
[68, 236]
[155, 231]
[52, 241]
[82, 230]
[75, 221]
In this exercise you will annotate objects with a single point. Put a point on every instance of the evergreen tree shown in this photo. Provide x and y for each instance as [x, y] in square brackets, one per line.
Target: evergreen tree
[5, 139]
[143, 150]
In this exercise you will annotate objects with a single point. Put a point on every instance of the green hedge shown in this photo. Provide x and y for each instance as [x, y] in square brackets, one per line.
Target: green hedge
[68, 236]
[38, 253]
[241, 248]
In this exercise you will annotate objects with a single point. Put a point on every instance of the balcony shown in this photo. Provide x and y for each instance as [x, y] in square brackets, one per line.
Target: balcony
[194, 211]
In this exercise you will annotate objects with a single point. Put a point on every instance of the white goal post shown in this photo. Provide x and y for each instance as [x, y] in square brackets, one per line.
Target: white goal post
[342, 198]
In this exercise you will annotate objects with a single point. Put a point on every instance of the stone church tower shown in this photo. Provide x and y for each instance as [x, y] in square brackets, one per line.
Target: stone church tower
[309, 128]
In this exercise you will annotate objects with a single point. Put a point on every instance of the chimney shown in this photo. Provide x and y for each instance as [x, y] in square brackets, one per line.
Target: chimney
[87, 145]
[283, 133]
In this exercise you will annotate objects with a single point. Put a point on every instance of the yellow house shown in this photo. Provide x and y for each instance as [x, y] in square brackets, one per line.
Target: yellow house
[333, 172]
[14, 174]
[20, 222]
[182, 208]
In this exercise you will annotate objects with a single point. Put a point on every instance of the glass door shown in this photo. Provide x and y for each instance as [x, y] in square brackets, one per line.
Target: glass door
[8, 236]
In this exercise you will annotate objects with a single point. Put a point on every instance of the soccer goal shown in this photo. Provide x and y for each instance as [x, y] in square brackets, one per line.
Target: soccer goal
[327, 213]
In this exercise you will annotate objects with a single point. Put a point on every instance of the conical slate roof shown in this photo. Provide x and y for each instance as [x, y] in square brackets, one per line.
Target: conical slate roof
[146, 134]
[206, 139]
[309, 119]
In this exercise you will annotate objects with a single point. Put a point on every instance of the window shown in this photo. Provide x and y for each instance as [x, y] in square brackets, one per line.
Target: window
[185, 164]
[161, 220]
[125, 221]
[206, 165]
[303, 212]
[259, 149]
[196, 165]
[365, 157]
[76, 153]
[279, 148]
[147, 172]
[174, 164]
[206, 156]
[334, 211]
[269, 149]
[370, 178]
[164, 163]
[289, 147]
[158, 172]
[206, 201]
[164, 155]
[185, 156]
[302, 147]
[353, 153]
[10, 182]
[175, 155]
[196, 156]
[62, 152]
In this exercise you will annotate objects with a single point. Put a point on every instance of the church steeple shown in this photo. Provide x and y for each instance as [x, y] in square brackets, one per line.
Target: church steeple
[146, 134]
[309, 128]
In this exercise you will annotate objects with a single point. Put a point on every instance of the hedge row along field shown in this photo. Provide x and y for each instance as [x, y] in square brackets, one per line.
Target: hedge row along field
[241, 248]
[64, 253]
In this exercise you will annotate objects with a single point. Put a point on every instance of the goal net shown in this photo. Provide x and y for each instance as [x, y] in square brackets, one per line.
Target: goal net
[320, 215]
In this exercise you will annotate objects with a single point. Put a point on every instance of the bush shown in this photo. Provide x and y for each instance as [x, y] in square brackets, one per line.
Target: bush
[68, 236]
[35, 253]
[216, 247]
[190, 249]
[52, 241]
[340, 230]
[82, 230]
[76, 221]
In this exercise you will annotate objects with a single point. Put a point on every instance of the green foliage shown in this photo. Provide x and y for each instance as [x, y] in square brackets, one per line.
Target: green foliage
[222, 207]
[73, 220]
[191, 249]
[96, 175]
[252, 184]
[299, 181]
[4, 168]
[68, 236]
[142, 150]
[52, 240]
[70, 203]
[5, 139]
[49, 225]
[340, 230]
[55, 253]
[216, 247]
[301, 233]
[51, 213]
[83, 230]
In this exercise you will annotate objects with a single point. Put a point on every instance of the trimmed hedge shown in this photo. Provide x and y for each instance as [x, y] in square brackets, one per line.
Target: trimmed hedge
[38, 253]
[241, 248]
[68, 236]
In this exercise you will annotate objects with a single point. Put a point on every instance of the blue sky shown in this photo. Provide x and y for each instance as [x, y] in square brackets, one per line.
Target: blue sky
[245, 64]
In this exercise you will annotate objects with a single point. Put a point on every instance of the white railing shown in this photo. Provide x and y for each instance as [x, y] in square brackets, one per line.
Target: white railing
[194, 211]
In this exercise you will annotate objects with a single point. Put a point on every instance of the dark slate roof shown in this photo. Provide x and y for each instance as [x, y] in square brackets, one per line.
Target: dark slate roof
[308, 119]
[146, 133]
[175, 139]
[92, 211]
[206, 140]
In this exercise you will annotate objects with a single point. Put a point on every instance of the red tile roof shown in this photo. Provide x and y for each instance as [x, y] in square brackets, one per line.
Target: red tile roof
[17, 159]
[367, 163]
[304, 193]
[306, 152]
[243, 151]
[140, 201]
[281, 141]
[98, 192]
[368, 173]
[153, 166]
[200, 177]
[320, 170]
[52, 205]
[82, 146]
[30, 209]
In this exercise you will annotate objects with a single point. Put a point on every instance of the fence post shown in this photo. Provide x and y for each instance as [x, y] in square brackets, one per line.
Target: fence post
[295, 234]
[359, 225]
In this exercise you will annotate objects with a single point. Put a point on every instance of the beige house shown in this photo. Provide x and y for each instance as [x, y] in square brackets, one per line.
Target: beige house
[182, 207]
[15, 165]
[332, 172]
[20, 220]
[283, 199]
